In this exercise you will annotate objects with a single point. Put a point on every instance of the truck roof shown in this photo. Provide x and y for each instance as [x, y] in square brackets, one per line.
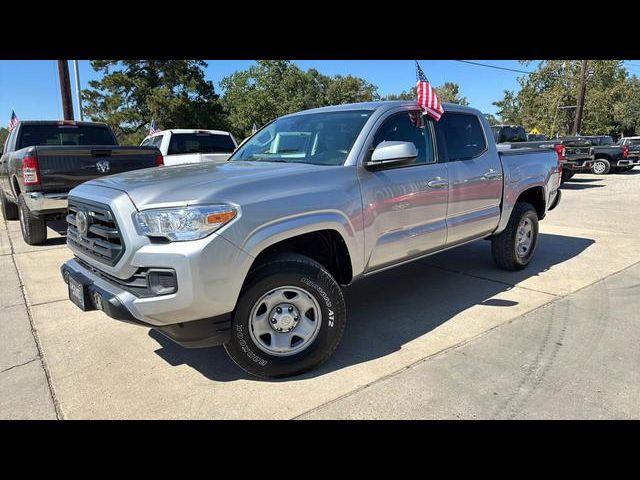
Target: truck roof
[382, 106]
[57, 122]
[190, 130]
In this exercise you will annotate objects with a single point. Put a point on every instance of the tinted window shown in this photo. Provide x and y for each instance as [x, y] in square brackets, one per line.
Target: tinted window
[323, 138]
[199, 143]
[407, 127]
[462, 135]
[511, 134]
[64, 135]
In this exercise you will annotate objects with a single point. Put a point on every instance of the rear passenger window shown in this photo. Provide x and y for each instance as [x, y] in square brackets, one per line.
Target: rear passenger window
[462, 135]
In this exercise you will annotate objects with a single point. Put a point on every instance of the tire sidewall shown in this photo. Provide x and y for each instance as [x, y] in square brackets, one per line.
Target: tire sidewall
[250, 357]
[607, 166]
[530, 213]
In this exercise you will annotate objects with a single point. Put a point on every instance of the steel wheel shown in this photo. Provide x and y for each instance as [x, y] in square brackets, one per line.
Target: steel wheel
[285, 321]
[524, 238]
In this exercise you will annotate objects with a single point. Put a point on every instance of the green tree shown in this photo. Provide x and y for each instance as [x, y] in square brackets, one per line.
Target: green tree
[448, 92]
[4, 133]
[547, 99]
[272, 88]
[131, 93]
[491, 118]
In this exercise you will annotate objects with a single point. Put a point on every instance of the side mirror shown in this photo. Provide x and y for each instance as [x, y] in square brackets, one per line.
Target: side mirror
[392, 154]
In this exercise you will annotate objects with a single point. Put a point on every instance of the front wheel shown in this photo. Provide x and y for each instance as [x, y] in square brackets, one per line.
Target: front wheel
[513, 248]
[289, 319]
[601, 166]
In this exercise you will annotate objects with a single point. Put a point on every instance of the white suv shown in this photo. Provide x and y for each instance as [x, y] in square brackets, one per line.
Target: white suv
[180, 146]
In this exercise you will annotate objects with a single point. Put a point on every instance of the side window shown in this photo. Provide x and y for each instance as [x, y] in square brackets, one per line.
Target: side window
[408, 127]
[157, 141]
[462, 136]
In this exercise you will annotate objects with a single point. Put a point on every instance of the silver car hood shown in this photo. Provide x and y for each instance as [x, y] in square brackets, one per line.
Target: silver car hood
[203, 183]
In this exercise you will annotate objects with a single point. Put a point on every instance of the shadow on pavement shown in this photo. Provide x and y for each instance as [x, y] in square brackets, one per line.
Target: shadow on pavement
[578, 186]
[583, 180]
[389, 309]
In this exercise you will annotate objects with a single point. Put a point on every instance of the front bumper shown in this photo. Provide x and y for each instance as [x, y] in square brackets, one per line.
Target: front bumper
[578, 166]
[115, 302]
[40, 203]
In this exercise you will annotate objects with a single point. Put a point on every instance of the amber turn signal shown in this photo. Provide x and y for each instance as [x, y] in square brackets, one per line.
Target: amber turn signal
[221, 217]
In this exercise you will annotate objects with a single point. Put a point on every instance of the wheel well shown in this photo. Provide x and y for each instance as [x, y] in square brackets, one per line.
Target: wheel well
[603, 157]
[534, 196]
[327, 247]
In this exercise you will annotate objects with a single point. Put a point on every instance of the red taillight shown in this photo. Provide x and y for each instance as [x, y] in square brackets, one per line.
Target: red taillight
[30, 170]
[159, 160]
[625, 151]
[561, 151]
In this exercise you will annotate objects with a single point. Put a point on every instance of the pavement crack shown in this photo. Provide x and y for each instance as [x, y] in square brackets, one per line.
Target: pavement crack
[19, 365]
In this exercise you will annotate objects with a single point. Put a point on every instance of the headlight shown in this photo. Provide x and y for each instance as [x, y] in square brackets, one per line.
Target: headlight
[184, 223]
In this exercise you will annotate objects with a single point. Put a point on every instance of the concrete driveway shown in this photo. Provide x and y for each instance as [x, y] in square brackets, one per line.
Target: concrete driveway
[450, 336]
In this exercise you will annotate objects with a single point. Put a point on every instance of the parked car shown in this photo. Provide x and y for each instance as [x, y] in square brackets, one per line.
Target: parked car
[252, 253]
[575, 152]
[633, 154]
[608, 157]
[179, 146]
[42, 160]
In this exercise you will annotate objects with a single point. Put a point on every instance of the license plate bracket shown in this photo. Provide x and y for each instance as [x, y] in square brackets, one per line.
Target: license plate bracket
[79, 293]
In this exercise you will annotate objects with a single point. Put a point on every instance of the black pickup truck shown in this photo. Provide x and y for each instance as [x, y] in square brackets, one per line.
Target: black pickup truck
[42, 160]
[609, 157]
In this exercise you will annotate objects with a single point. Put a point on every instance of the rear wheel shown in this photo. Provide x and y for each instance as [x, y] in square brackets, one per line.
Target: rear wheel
[601, 166]
[290, 318]
[34, 229]
[9, 209]
[513, 248]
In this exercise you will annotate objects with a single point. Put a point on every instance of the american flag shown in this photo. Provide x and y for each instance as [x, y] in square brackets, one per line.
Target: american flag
[427, 98]
[154, 128]
[13, 121]
[254, 129]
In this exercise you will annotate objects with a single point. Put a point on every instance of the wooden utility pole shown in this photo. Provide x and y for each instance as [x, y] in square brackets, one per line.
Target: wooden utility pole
[65, 89]
[577, 124]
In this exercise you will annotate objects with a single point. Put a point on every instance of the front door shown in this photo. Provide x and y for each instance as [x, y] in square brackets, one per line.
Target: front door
[404, 208]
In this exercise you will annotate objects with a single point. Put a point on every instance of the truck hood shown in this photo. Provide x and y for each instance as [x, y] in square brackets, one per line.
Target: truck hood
[208, 182]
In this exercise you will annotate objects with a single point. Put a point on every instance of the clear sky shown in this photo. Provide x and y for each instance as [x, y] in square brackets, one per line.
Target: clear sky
[31, 86]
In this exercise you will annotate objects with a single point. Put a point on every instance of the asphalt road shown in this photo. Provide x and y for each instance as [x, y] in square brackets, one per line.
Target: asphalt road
[449, 336]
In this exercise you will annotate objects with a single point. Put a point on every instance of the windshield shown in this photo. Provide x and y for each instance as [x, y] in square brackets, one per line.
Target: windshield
[315, 138]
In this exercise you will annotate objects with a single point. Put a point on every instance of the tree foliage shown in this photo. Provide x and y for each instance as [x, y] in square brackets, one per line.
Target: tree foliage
[611, 104]
[133, 92]
[272, 88]
[4, 133]
[448, 92]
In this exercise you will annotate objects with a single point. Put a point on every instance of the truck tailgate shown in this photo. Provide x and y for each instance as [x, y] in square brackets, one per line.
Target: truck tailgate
[64, 167]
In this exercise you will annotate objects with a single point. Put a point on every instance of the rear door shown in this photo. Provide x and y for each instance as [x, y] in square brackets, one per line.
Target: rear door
[475, 177]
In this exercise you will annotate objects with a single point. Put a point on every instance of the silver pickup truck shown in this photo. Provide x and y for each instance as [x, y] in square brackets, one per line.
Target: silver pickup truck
[253, 253]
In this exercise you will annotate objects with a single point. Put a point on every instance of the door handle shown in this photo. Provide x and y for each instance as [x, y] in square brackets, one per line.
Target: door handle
[437, 183]
[491, 174]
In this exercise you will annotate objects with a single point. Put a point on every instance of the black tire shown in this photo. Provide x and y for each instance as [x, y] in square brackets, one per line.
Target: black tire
[503, 245]
[9, 209]
[34, 229]
[601, 166]
[626, 169]
[566, 176]
[278, 271]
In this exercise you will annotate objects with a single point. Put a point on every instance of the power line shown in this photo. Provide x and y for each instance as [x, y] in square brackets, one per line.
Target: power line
[494, 66]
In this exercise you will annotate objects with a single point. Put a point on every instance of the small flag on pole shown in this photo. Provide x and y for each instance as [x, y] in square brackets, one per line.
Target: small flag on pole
[427, 98]
[254, 129]
[13, 121]
[154, 128]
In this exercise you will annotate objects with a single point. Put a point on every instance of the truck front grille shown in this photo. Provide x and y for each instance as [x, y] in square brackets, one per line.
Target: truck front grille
[92, 230]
